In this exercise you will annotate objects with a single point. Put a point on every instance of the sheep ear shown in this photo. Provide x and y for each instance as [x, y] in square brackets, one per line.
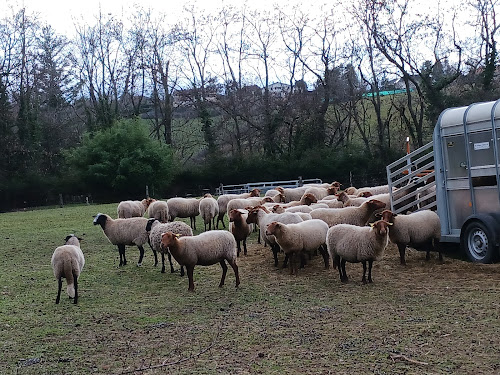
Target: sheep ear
[389, 223]
[378, 215]
[372, 224]
[177, 235]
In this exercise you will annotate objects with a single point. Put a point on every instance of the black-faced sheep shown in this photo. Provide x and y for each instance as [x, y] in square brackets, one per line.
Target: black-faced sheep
[125, 232]
[420, 230]
[355, 244]
[205, 249]
[67, 262]
[155, 229]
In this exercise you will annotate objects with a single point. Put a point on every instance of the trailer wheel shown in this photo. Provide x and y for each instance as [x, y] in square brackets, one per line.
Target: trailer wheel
[478, 243]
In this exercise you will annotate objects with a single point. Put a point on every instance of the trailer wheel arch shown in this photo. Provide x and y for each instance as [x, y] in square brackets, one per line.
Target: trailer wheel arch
[479, 237]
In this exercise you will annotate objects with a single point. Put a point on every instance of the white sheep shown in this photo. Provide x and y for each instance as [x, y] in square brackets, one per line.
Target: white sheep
[273, 192]
[68, 261]
[296, 238]
[240, 203]
[420, 230]
[125, 232]
[205, 249]
[209, 210]
[239, 227]
[261, 216]
[351, 243]
[184, 208]
[158, 210]
[128, 209]
[294, 194]
[348, 215]
[155, 229]
[224, 199]
[374, 190]
[321, 192]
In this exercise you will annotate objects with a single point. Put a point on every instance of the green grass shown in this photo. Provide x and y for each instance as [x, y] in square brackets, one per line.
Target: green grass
[426, 318]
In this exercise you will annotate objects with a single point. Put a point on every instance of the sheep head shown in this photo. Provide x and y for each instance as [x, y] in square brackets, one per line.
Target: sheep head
[278, 209]
[280, 189]
[350, 190]
[386, 215]
[308, 199]
[168, 239]
[255, 193]
[365, 194]
[236, 213]
[381, 227]
[375, 204]
[332, 190]
[100, 219]
[343, 197]
[272, 228]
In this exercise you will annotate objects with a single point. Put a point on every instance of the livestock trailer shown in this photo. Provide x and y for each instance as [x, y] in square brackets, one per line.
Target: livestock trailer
[457, 174]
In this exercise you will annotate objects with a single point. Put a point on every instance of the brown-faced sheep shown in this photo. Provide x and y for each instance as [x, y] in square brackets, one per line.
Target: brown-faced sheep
[205, 249]
[351, 243]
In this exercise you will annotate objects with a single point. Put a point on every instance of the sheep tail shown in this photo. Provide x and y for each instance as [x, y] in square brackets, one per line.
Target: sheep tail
[68, 274]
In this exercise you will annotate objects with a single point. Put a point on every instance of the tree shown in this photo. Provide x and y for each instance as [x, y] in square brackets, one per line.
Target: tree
[120, 161]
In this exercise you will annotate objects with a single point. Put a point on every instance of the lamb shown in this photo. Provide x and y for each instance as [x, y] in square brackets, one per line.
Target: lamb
[159, 211]
[295, 238]
[351, 243]
[68, 261]
[261, 216]
[209, 210]
[204, 249]
[351, 200]
[348, 215]
[125, 232]
[330, 203]
[239, 227]
[128, 209]
[301, 208]
[183, 208]
[420, 230]
[155, 229]
[224, 199]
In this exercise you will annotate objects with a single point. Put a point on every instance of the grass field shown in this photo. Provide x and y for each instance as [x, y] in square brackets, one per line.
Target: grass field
[425, 318]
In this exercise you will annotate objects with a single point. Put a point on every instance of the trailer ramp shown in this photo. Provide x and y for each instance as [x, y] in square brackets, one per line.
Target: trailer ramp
[411, 180]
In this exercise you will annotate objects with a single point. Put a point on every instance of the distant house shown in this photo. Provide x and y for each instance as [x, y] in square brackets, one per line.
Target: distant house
[279, 89]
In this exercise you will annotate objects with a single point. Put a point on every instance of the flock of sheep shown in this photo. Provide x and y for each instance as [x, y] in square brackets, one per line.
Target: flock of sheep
[296, 221]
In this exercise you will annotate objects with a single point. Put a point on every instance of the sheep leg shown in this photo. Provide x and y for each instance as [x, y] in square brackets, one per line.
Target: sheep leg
[285, 262]
[402, 248]
[224, 272]
[363, 280]
[156, 257]
[221, 219]
[303, 260]
[141, 255]
[162, 263]
[370, 264]
[292, 262]
[236, 272]
[172, 269]
[245, 246]
[59, 286]
[325, 255]
[182, 271]
[343, 273]
[75, 284]
[238, 246]
[121, 250]
[190, 270]
[275, 249]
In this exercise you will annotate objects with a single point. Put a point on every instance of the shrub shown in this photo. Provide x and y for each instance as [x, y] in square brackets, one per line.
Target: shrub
[118, 162]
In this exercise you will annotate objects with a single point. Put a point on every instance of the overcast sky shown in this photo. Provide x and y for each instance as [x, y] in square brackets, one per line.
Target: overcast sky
[61, 14]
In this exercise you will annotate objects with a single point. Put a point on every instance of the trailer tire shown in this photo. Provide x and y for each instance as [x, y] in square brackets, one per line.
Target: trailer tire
[478, 242]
